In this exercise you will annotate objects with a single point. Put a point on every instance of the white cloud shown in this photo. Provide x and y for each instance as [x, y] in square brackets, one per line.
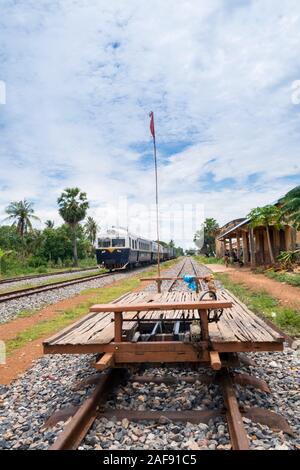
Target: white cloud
[82, 76]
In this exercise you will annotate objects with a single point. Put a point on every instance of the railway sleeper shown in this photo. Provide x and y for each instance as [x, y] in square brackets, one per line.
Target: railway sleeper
[94, 407]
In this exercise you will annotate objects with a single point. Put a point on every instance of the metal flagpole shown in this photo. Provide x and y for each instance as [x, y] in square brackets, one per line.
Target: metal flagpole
[152, 129]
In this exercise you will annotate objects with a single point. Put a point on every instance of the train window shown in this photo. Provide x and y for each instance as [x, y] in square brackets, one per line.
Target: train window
[118, 242]
[103, 242]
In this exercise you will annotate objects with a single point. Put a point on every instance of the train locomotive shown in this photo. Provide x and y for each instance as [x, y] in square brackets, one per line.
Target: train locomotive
[117, 248]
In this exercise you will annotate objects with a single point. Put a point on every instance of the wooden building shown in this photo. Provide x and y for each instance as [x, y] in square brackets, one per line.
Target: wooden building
[251, 245]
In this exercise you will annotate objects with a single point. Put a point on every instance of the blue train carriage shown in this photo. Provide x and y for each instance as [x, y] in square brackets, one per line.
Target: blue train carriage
[144, 251]
[117, 249]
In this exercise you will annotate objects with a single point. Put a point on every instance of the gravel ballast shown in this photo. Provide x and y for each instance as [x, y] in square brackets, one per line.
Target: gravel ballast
[19, 283]
[27, 403]
[9, 310]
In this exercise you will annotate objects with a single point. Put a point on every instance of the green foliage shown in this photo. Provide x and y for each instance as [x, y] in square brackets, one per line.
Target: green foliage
[265, 305]
[208, 259]
[91, 228]
[291, 207]
[288, 258]
[40, 250]
[21, 213]
[73, 205]
[265, 216]
[289, 278]
[179, 251]
[49, 223]
[190, 252]
[210, 226]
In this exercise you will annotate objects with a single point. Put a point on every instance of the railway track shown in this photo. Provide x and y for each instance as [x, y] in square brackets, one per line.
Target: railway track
[95, 406]
[27, 291]
[37, 276]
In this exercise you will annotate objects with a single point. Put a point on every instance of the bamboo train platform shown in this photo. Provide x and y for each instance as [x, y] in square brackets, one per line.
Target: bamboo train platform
[166, 327]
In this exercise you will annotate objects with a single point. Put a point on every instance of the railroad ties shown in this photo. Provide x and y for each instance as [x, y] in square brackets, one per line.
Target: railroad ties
[169, 327]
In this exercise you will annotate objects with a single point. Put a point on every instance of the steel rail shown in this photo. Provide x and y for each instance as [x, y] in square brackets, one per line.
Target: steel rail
[178, 275]
[94, 407]
[75, 431]
[37, 276]
[17, 294]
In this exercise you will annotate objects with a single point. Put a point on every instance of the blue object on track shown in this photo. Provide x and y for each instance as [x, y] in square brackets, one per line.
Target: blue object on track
[191, 282]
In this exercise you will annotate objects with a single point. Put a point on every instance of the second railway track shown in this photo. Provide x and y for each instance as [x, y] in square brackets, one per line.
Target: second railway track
[27, 291]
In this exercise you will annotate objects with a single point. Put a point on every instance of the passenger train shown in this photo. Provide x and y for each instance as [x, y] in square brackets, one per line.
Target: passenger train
[117, 248]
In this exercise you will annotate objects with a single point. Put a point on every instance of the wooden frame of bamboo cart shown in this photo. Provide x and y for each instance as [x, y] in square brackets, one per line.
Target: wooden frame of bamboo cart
[159, 351]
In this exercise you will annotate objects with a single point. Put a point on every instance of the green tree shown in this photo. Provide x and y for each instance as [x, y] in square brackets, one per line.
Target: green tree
[266, 216]
[91, 228]
[210, 226]
[291, 207]
[49, 223]
[21, 212]
[9, 238]
[171, 244]
[190, 252]
[3, 253]
[73, 205]
[179, 251]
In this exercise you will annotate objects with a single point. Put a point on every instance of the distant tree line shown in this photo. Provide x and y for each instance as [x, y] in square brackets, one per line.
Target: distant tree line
[25, 248]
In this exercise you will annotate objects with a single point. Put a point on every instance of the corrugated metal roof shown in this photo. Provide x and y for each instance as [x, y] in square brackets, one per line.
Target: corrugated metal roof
[233, 229]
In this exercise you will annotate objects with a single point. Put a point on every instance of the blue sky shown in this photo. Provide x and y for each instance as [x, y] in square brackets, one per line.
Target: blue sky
[81, 77]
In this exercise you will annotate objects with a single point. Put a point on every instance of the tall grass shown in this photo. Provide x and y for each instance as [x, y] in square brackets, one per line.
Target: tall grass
[260, 302]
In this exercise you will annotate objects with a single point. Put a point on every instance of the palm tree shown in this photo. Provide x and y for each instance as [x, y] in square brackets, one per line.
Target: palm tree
[266, 216]
[291, 207]
[73, 205]
[91, 228]
[49, 223]
[21, 212]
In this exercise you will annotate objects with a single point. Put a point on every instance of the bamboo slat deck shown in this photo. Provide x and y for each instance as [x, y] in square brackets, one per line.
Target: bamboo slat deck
[238, 330]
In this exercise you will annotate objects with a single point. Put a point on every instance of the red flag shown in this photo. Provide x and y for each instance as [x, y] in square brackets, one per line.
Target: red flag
[152, 130]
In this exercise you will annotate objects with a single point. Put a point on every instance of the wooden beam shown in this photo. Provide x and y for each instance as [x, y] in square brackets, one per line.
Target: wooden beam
[118, 327]
[204, 324]
[161, 357]
[143, 307]
[106, 361]
[215, 360]
[171, 278]
[158, 347]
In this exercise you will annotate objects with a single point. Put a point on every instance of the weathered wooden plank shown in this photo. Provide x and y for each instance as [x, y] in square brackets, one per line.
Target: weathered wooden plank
[106, 361]
[200, 305]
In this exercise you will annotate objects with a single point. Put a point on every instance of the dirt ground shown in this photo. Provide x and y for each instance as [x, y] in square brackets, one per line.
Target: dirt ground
[286, 294]
[22, 358]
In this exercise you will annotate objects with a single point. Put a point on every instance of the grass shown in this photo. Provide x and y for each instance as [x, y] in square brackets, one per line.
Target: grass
[100, 295]
[289, 278]
[211, 260]
[23, 269]
[264, 305]
[26, 313]
[53, 281]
